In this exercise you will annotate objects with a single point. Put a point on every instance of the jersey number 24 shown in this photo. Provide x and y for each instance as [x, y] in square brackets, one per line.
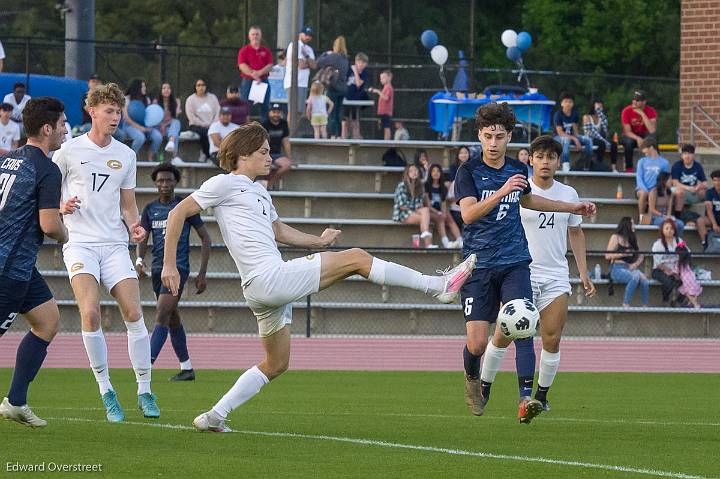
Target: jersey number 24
[546, 221]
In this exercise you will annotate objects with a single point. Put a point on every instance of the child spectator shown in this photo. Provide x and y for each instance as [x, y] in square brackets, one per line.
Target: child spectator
[625, 260]
[565, 122]
[385, 102]
[648, 169]
[665, 261]
[408, 207]
[712, 204]
[595, 127]
[638, 122]
[401, 133]
[317, 108]
[689, 181]
[660, 202]
[462, 155]
[357, 81]
[690, 287]
[422, 162]
[435, 198]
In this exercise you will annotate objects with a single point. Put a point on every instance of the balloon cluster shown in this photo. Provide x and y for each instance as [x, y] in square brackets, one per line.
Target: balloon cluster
[148, 116]
[516, 44]
[438, 53]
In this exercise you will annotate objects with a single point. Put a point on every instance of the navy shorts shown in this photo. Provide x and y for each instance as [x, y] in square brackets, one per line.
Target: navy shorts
[482, 294]
[21, 297]
[160, 288]
[385, 121]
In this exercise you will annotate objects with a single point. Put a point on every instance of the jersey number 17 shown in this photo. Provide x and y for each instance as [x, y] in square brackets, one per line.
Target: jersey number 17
[6, 182]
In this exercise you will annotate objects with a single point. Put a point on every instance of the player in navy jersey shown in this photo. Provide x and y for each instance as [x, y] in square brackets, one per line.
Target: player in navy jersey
[30, 188]
[490, 190]
[154, 219]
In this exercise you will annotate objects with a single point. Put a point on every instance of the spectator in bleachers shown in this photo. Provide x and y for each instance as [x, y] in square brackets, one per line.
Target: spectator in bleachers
[137, 91]
[306, 61]
[385, 103]
[690, 287]
[622, 252]
[436, 194]
[93, 81]
[638, 122]
[690, 184]
[712, 204]
[317, 109]
[660, 201]
[254, 62]
[648, 169]
[18, 99]
[461, 156]
[169, 127]
[279, 141]
[565, 122]
[338, 60]
[9, 130]
[202, 109]
[401, 133]
[595, 127]
[665, 261]
[422, 162]
[523, 156]
[408, 207]
[219, 130]
[357, 83]
[240, 108]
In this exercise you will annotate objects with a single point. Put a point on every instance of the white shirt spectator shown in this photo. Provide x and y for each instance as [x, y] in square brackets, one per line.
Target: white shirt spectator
[669, 259]
[8, 134]
[16, 114]
[303, 73]
[222, 130]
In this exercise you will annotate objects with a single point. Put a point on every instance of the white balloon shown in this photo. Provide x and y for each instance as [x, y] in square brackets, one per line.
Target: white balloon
[439, 54]
[509, 38]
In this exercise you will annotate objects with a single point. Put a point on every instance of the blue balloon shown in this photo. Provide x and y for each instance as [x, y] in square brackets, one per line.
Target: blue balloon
[429, 39]
[514, 54]
[153, 115]
[524, 40]
[136, 111]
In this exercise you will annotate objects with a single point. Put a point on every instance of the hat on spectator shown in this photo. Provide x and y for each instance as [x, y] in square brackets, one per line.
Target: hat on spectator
[225, 109]
[6, 107]
[275, 106]
[639, 95]
[94, 76]
[307, 31]
[232, 89]
[688, 148]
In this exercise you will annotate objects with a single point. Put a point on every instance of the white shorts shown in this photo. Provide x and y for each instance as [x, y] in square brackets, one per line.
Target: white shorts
[270, 295]
[109, 264]
[545, 291]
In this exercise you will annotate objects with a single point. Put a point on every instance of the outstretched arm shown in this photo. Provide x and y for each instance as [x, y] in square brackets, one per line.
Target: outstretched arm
[290, 236]
[536, 202]
[176, 219]
[577, 245]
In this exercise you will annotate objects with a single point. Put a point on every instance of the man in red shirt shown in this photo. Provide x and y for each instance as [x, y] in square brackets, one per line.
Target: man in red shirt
[254, 63]
[638, 121]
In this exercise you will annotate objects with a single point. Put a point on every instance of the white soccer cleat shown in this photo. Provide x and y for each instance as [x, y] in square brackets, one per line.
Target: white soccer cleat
[455, 278]
[20, 414]
[210, 422]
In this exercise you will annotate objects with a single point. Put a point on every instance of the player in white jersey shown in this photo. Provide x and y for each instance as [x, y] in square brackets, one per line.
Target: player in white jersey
[547, 235]
[250, 228]
[98, 194]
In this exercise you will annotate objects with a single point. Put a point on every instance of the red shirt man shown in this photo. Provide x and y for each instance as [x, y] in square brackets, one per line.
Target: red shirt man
[639, 117]
[254, 59]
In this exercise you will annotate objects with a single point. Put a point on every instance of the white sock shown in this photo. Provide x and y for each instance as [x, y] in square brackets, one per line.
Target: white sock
[549, 364]
[393, 274]
[445, 241]
[247, 386]
[491, 362]
[139, 352]
[96, 349]
[185, 365]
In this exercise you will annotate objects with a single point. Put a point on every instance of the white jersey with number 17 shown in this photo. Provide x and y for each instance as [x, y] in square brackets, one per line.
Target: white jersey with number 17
[547, 232]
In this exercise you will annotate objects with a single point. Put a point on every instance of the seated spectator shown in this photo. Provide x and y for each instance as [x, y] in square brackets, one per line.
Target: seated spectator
[401, 133]
[337, 60]
[689, 183]
[408, 206]
[649, 167]
[317, 109]
[219, 130]
[93, 81]
[665, 261]
[240, 108]
[254, 62]
[565, 122]
[660, 201]
[9, 130]
[622, 252]
[712, 205]
[279, 140]
[422, 162]
[385, 102]
[169, 127]
[202, 109]
[436, 194]
[357, 84]
[137, 132]
[638, 122]
[462, 155]
[18, 99]
[523, 157]
[595, 127]
[690, 287]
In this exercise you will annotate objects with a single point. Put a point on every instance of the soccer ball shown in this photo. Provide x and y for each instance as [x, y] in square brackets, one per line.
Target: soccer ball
[518, 319]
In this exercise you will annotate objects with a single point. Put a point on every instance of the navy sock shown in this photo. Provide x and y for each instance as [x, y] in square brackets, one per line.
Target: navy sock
[472, 363]
[541, 393]
[179, 342]
[157, 340]
[485, 388]
[30, 355]
[525, 365]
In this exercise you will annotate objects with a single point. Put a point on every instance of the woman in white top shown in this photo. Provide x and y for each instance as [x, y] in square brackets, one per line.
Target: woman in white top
[665, 263]
[202, 109]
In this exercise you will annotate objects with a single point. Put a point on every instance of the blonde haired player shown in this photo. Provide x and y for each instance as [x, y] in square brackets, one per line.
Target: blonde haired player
[98, 193]
[250, 227]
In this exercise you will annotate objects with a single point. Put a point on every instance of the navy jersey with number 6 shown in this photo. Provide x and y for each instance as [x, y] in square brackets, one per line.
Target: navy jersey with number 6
[498, 238]
[29, 182]
[154, 220]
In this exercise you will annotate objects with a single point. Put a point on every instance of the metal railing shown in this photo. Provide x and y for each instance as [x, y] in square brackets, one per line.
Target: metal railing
[695, 127]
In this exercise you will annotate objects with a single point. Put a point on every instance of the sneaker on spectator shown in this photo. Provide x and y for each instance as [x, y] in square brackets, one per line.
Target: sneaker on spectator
[170, 146]
[177, 161]
[189, 135]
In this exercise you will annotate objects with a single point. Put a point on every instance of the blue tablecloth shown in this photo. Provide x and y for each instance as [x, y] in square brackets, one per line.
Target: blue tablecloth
[444, 107]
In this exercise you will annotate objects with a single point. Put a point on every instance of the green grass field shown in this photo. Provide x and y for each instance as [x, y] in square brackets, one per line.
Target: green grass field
[376, 424]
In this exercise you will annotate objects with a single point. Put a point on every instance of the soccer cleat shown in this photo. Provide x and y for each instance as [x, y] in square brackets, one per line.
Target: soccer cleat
[114, 412]
[528, 409]
[210, 422]
[455, 278]
[148, 405]
[473, 396]
[184, 375]
[20, 414]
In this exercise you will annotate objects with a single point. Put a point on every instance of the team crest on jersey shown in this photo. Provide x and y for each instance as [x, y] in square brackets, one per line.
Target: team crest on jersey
[309, 257]
[76, 267]
[114, 164]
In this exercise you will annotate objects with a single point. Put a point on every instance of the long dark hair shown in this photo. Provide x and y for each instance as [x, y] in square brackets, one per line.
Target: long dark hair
[624, 229]
[457, 155]
[414, 187]
[172, 101]
[661, 183]
[418, 153]
[134, 91]
[684, 256]
[429, 181]
[662, 228]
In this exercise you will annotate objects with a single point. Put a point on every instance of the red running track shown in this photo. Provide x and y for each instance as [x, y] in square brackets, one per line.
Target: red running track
[391, 354]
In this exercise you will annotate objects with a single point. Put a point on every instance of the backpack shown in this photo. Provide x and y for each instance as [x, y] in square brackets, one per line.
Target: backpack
[393, 157]
[332, 80]
[713, 243]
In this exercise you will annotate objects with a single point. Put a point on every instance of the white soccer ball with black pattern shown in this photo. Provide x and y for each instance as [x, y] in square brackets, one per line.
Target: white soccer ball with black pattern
[518, 319]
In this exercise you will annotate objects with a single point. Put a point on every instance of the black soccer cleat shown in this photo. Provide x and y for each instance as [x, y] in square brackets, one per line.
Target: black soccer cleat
[184, 375]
